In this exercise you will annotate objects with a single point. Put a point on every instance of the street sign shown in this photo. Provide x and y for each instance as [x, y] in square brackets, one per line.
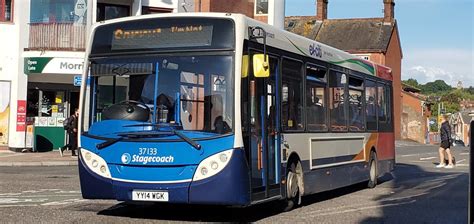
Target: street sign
[77, 80]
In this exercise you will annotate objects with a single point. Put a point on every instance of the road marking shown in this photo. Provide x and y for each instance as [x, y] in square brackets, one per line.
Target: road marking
[40, 197]
[65, 202]
[464, 153]
[363, 208]
[418, 154]
[460, 161]
[462, 164]
[428, 158]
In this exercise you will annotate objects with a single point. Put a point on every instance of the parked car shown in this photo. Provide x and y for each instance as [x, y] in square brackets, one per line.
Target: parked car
[457, 141]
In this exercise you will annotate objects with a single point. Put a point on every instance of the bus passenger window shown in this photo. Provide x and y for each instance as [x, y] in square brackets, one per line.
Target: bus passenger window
[381, 104]
[316, 98]
[356, 121]
[370, 108]
[337, 101]
[292, 95]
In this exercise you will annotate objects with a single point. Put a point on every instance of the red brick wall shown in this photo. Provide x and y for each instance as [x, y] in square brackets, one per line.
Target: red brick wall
[413, 122]
[393, 59]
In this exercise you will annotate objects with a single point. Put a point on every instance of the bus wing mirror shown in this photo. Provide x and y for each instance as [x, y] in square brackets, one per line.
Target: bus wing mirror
[245, 66]
[260, 66]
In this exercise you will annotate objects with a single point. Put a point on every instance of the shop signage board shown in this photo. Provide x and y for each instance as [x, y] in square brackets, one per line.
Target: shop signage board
[49, 65]
[21, 116]
[77, 80]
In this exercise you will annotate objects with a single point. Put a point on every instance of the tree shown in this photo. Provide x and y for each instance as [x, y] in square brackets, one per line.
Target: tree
[437, 86]
[412, 82]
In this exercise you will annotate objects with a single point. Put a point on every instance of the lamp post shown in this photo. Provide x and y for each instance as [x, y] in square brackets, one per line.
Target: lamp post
[471, 170]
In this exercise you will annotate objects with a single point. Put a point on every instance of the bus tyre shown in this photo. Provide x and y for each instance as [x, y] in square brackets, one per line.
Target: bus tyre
[293, 196]
[372, 170]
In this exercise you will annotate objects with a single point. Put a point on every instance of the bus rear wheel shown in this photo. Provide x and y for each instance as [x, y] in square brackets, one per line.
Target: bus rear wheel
[372, 170]
[293, 197]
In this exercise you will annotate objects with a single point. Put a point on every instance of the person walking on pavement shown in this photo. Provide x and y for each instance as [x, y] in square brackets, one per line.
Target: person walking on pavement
[71, 129]
[445, 135]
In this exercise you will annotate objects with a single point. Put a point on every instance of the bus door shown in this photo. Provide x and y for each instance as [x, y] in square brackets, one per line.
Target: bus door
[264, 134]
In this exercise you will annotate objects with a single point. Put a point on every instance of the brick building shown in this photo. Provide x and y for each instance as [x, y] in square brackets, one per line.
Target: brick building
[415, 115]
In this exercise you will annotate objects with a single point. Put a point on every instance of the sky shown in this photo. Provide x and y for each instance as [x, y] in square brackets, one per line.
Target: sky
[436, 35]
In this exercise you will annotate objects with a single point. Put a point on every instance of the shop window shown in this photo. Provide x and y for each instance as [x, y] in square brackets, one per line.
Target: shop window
[356, 121]
[316, 98]
[6, 10]
[370, 107]
[337, 101]
[292, 95]
[109, 11]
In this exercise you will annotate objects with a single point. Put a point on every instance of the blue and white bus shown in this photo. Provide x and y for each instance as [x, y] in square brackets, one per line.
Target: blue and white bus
[213, 108]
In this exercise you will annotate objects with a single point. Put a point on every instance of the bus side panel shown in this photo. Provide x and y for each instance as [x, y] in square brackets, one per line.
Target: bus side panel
[231, 186]
[325, 179]
[386, 146]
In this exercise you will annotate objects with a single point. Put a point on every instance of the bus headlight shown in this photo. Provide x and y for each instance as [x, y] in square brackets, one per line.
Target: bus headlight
[212, 165]
[95, 163]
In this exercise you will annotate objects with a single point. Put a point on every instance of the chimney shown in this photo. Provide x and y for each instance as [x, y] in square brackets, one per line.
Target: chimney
[322, 10]
[389, 10]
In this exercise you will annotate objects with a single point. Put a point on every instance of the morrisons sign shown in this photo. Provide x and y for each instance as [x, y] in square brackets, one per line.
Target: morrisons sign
[38, 65]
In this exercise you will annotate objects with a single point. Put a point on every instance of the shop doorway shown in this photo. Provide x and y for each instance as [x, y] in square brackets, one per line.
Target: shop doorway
[48, 106]
[73, 102]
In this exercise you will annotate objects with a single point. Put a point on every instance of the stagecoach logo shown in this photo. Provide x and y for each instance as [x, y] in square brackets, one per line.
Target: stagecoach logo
[126, 158]
[315, 50]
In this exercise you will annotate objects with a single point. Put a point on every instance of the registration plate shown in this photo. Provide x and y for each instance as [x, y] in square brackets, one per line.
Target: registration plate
[149, 195]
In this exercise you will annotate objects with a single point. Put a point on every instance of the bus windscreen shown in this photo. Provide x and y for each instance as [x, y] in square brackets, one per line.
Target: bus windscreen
[164, 34]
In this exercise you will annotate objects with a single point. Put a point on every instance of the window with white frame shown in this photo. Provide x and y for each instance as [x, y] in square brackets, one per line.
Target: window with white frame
[261, 7]
[6, 10]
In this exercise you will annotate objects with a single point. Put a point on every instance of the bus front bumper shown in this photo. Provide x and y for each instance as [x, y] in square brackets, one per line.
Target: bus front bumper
[230, 186]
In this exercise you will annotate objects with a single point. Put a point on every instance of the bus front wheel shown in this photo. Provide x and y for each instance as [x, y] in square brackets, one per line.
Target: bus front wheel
[372, 170]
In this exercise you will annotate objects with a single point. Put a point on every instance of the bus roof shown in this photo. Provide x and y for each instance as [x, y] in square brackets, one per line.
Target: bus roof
[283, 39]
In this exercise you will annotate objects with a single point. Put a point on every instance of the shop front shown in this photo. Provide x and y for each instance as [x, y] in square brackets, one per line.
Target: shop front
[52, 96]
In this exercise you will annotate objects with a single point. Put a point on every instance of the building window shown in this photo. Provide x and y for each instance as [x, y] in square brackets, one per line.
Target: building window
[261, 7]
[109, 11]
[364, 56]
[292, 95]
[155, 10]
[58, 11]
[316, 98]
[6, 12]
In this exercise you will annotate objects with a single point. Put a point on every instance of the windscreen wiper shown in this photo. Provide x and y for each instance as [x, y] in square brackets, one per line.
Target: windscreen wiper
[150, 134]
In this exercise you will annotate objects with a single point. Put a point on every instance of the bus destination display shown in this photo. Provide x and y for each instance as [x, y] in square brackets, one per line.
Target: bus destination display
[162, 37]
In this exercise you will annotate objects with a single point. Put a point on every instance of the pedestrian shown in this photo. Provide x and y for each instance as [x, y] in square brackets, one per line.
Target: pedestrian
[445, 135]
[70, 125]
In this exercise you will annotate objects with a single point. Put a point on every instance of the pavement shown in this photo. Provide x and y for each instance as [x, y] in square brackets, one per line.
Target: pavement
[51, 158]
